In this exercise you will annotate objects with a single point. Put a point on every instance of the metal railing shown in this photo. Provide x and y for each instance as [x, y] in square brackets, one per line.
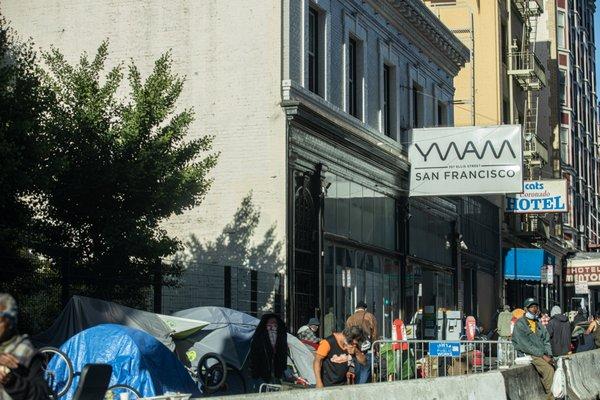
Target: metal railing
[526, 65]
[536, 149]
[529, 8]
[395, 360]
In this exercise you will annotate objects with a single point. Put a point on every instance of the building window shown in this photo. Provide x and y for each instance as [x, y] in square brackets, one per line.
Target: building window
[313, 50]
[562, 86]
[387, 102]
[352, 78]
[505, 112]
[504, 49]
[560, 28]
[564, 145]
[442, 114]
[417, 106]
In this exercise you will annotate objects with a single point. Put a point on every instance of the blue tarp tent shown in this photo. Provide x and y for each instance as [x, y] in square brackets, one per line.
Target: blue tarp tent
[137, 359]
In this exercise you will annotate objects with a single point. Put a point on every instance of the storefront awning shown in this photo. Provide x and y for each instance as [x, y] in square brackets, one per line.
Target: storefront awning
[525, 264]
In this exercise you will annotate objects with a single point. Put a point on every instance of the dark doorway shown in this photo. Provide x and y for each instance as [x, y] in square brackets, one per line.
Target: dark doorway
[306, 240]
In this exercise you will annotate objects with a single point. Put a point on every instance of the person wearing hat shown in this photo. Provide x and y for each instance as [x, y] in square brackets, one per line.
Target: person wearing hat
[309, 332]
[531, 338]
[365, 320]
[559, 330]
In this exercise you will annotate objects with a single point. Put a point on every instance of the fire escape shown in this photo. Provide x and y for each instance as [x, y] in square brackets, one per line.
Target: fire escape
[528, 72]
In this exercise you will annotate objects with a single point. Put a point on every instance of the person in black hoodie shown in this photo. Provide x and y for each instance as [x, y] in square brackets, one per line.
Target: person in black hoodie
[269, 350]
[21, 376]
[559, 329]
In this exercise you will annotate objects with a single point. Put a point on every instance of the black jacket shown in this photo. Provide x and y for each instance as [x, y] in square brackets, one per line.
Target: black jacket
[559, 329]
[27, 383]
[266, 362]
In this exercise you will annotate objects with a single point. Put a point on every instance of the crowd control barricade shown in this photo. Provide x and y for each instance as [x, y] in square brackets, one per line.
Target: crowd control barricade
[395, 360]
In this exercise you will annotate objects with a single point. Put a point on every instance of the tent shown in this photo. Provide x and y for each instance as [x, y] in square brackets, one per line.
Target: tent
[229, 333]
[137, 359]
[84, 312]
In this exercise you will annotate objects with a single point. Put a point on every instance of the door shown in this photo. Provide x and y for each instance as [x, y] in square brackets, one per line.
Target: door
[306, 262]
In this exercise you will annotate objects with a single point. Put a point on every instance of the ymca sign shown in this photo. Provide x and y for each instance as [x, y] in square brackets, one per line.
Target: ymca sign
[548, 196]
[466, 160]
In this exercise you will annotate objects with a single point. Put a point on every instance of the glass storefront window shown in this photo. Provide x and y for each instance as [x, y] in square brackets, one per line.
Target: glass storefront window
[367, 216]
[427, 287]
[355, 211]
[343, 206]
[330, 209]
[359, 213]
[360, 276]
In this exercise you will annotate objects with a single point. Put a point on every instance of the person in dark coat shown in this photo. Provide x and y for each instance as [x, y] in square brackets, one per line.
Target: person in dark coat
[21, 373]
[269, 350]
[559, 330]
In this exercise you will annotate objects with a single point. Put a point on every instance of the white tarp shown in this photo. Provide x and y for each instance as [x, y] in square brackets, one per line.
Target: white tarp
[81, 313]
[469, 160]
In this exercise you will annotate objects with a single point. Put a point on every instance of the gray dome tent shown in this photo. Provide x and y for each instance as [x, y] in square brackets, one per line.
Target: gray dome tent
[229, 333]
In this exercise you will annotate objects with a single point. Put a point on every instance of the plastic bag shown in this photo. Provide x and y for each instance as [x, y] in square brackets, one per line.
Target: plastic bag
[559, 384]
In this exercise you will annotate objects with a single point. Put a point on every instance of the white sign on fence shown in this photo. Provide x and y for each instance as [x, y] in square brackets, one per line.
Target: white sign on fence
[548, 196]
[466, 160]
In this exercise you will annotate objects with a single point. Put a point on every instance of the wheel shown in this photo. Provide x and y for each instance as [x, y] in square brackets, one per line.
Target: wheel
[212, 371]
[58, 370]
[114, 392]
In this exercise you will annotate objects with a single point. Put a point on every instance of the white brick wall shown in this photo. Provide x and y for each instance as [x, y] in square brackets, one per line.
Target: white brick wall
[230, 52]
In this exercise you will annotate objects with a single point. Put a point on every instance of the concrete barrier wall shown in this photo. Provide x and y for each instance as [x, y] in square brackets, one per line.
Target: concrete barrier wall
[488, 386]
[583, 375]
[518, 383]
[523, 382]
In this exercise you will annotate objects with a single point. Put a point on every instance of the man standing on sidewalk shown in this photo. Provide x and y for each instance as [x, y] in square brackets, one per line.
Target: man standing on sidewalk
[365, 320]
[504, 323]
[504, 333]
[531, 338]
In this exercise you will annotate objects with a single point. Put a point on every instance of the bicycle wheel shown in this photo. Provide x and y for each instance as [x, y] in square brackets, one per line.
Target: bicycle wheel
[58, 370]
[114, 393]
[212, 371]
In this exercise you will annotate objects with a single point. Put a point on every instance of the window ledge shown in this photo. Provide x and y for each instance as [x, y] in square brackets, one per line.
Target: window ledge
[293, 92]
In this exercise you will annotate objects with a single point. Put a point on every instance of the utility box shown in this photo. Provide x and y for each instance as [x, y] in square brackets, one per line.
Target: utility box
[453, 325]
[449, 324]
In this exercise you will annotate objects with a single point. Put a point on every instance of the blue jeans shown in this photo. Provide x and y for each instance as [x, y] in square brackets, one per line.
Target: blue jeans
[363, 372]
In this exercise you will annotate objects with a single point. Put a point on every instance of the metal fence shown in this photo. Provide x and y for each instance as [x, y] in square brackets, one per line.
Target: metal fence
[395, 360]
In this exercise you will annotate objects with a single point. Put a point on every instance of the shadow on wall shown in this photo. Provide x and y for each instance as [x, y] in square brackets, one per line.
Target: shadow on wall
[231, 271]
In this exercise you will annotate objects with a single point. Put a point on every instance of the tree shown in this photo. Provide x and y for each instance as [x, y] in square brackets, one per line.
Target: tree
[119, 165]
[23, 100]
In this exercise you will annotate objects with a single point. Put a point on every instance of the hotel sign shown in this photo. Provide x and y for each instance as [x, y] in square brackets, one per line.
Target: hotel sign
[467, 160]
[578, 272]
[548, 196]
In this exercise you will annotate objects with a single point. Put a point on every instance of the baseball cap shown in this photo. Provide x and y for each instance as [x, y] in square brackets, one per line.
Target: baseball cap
[530, 301]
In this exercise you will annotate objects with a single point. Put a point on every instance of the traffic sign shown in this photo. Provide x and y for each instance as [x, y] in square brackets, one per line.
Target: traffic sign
[444, 349]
